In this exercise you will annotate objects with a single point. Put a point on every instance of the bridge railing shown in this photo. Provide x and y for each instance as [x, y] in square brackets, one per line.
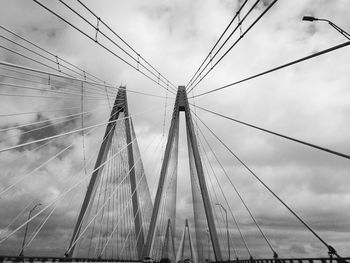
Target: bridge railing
[59, 259]
[280, 260]
[292, 260]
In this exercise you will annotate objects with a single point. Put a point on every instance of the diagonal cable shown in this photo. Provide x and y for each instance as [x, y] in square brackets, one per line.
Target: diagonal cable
[101, 45]
[325, 51]
[217, 42]
[331, 250]
[346, 156]
[234, 44]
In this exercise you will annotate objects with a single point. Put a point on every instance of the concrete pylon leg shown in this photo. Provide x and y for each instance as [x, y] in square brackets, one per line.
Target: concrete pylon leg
[133, 184]
[174, 128]
[192, 140]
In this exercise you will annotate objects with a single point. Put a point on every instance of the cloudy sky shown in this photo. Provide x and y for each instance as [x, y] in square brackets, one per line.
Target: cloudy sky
[308, 101]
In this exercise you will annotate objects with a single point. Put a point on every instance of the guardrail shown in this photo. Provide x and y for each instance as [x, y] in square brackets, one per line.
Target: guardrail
[292, 260]
[59, 259]
[65, 259]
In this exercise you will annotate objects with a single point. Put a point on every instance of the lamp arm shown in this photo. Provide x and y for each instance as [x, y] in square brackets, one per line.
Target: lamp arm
[341, 31]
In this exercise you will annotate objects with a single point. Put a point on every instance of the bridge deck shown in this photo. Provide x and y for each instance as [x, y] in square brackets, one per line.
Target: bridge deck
[65, 259]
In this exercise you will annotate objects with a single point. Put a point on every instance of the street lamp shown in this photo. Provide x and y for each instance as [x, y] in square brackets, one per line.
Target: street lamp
[208, 245]
[228, 235]
[26, 230]
[341, 31]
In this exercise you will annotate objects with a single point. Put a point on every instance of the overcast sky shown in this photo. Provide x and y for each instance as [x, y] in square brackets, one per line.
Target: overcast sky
[308, 101]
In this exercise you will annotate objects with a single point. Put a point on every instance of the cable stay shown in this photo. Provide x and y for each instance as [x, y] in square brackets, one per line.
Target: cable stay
[229, 237]
[117, 219]
[88, 90]
[157, 74]
[53, 55]
[268, 242]
[331, 250]
[108, 160]
[217, 42]
[43, 164]
[67, 133]
[223, 194]
[101, 45]
[76, 79]
[325, 51]
[277, 134]
[42, 56]
[128, 45]
[212, 56]
[193, 86]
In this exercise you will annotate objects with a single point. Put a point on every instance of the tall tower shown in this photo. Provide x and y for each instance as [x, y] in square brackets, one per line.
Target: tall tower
[181, 105]
[120, 106]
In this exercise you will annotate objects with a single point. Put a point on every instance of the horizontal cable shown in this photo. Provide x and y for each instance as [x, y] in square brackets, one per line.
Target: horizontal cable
[54, 136]
[40, 128]
[40, 55]
[37, 112]
[34, 60]
[103, 46]
[50, 53]
[45, 97]
[52, 91]
[21, 79]
[80, 80]
[71, 118]
[98, 90]
[60, 196]
[68, 133]
[22, 73]
[53, 119]
[277, 134]
[278, 68]
[43, 64]
[331, 250]
[50, 159]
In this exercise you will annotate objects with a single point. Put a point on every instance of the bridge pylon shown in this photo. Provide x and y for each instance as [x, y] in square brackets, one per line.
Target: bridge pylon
[181, 250]
[168, 249]
[120, 105]
[181, 104]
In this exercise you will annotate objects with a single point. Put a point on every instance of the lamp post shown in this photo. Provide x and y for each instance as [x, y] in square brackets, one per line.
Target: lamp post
[26, 230]
[341, 31]
[228, 235]
[208, 245]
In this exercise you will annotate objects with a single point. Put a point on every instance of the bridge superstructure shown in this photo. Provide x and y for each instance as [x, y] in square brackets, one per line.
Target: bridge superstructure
[117, 220]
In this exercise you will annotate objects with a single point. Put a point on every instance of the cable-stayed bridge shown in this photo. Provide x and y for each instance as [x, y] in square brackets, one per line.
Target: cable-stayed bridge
[85, 144]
